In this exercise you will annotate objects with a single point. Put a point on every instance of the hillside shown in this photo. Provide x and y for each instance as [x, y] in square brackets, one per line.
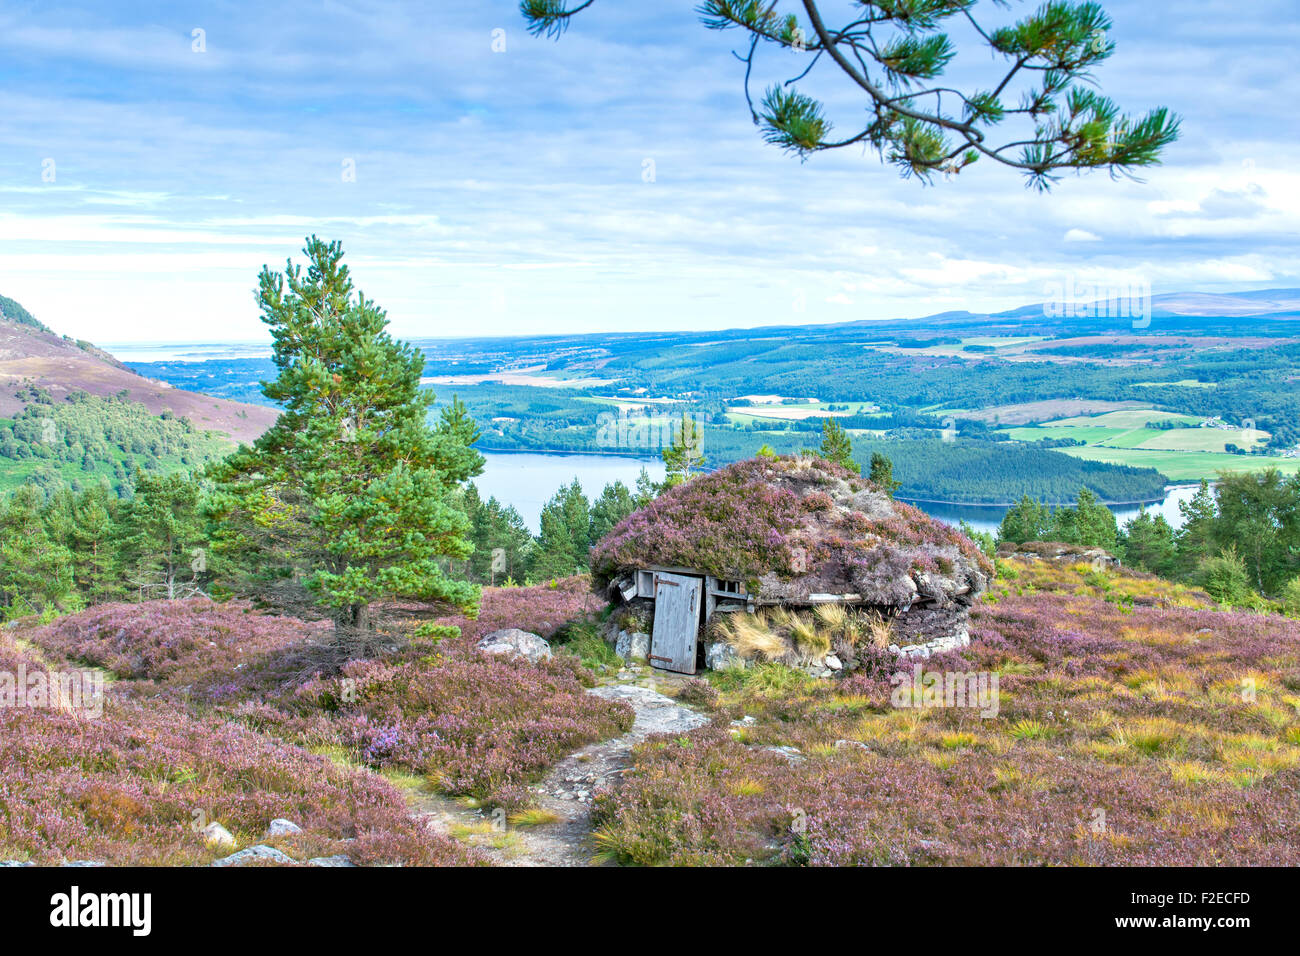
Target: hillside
[34, 356]
[1119, 734]
[70, 411]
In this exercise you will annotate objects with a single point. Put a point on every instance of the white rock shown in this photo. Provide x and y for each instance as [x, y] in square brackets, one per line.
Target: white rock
[337, 860]
[833, 662]
[655, 713]
[515, 643]
[257, 854]
[214, 834]
[792, 754]
[633, 646]
[719, 655]
[282, 827]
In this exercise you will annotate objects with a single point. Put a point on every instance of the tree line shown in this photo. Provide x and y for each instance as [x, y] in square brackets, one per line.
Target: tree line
[1239, 538]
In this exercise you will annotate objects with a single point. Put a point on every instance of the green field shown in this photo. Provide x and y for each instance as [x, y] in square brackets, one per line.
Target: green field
[1183, 465]
[1121, 438]
[1124, 418]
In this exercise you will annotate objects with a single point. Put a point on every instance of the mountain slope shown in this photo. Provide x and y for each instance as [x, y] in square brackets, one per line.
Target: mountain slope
[30, 355]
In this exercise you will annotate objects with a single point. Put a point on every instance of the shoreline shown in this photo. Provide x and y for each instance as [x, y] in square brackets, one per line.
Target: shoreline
[566, 453]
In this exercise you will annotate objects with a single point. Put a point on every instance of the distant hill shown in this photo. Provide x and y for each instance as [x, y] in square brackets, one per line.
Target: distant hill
[71, 414]
[32, 355]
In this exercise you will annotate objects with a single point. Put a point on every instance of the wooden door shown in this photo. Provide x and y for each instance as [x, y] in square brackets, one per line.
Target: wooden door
[677, 622]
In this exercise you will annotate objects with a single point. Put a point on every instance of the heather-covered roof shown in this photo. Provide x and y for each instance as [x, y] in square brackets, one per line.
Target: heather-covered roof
[792, 527]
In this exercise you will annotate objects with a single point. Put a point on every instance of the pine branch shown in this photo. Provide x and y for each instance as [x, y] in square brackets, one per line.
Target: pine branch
[891, 48]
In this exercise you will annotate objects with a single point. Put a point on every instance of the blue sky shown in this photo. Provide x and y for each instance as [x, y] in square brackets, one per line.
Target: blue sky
[503, 192]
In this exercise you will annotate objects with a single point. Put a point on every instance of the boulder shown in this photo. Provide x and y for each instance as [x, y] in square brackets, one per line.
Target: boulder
[338, 859]
[633, 646]
[515, 643]
[720, 654]
[215, 835]
[282, 827]
[1059, 552]
[261, 853]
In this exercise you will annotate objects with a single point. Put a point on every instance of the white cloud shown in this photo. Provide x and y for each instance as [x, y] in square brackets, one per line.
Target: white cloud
[519, 175]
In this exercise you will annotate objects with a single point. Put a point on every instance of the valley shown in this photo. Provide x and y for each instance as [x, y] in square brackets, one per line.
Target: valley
[974, 409]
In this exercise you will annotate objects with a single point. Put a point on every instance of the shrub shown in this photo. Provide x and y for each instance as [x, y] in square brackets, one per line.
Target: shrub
[699, 693]
[129, 786]
[1225, 578]
[1290, 598]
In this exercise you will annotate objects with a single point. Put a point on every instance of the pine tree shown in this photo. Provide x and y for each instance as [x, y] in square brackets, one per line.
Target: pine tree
[1088, 523]
[1195, 538]
[615, 503]
[892, 55]
[35, 571]
[164, 543]
[95, 536]
[1259, 514]
[1147, 543]
[1026, 520]
[646, 489]
[686, 453]
[882, 474]
[564, 541]
[500, 537]
[838, 447]
[351, 489]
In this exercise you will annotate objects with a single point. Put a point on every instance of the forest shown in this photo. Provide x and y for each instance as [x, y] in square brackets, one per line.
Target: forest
[84, 440]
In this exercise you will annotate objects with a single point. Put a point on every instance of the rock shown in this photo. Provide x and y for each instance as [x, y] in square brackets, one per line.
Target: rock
[841, 744]
[214, 834]
[720, 654]
[833, 662]
[792, 754]
[338, 859]
[515, 643]
[282, 827]
[655, 713]
[261, 853]
[85, 863]
[632, 646]
[746, 721]
[9, 863]
[1058, 552]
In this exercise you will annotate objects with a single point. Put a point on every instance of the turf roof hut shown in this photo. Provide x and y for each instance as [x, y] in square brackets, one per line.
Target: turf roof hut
[785, 533]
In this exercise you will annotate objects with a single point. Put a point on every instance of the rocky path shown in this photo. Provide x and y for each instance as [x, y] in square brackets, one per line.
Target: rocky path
[566, 792]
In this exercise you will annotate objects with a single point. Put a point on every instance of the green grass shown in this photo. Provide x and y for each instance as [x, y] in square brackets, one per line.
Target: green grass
[1182, 454]
[1124, 418]
[1184, 465]
[584, 641]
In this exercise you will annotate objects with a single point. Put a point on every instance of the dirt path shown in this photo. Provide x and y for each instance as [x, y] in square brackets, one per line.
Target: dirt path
[565, 793]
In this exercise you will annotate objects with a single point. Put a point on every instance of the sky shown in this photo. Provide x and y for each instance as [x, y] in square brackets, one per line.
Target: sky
[155, 155]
